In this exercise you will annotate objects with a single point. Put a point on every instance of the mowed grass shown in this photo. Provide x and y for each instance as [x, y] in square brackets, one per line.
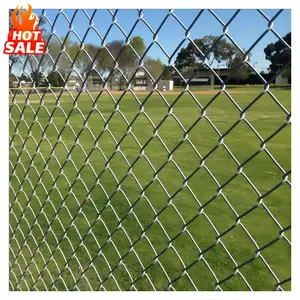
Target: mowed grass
[58, 197]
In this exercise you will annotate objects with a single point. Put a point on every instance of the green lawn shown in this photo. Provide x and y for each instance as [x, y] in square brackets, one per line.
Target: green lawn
[69, 190]
[230, 87]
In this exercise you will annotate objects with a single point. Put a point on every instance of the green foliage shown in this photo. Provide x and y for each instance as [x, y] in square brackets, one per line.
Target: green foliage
[61, 59]
[55, 79]
[210, 47]
[168, 73]
[103, 61]
[37, 77]
[138, 45]
[278, 53]
[67, 55]
[154, 66]
[126, 58]
[240, 69]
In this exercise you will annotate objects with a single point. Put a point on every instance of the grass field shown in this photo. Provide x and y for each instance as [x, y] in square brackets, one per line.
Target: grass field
[31, 200]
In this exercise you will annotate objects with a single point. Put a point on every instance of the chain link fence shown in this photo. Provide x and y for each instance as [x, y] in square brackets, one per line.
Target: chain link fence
[125, 191]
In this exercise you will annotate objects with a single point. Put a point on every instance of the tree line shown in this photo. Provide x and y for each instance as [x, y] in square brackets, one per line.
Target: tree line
[220, 51]
[279, 55]
[65, 57]
[214, 50]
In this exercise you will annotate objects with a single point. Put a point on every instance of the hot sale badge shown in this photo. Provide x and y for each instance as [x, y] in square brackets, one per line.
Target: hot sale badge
[24, 36]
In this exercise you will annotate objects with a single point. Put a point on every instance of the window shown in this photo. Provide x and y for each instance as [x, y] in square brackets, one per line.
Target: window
[140, 73]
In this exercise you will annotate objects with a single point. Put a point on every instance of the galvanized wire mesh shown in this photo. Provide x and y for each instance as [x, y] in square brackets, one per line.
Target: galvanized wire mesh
[38, 264]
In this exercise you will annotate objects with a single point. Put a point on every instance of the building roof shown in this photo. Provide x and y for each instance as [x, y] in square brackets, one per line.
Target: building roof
[202, 79]
[198, 79]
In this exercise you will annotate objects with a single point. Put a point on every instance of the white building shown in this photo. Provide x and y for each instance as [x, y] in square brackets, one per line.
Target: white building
[165, 85]
[280, 80]
[142, 82]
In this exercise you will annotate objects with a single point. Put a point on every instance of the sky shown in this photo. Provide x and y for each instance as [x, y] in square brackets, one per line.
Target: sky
[245, 29]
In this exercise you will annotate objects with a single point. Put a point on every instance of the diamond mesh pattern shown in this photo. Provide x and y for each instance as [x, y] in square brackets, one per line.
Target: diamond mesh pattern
[67, 228]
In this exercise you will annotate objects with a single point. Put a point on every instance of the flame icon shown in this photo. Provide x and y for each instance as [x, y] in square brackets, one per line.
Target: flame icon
[27, 21]
[24, 36]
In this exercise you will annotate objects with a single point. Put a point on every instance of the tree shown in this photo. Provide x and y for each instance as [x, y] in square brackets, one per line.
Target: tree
[129, 58]
[242, 71]
[103, 61]
[115, 47]
[138, 45]
[55, 79]
[80, 60]
[14, 60]
[278, 53]
[63, 60]
[126, 58]
[154, 66]
[36, 76]
[168, 73]
[213, 50]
